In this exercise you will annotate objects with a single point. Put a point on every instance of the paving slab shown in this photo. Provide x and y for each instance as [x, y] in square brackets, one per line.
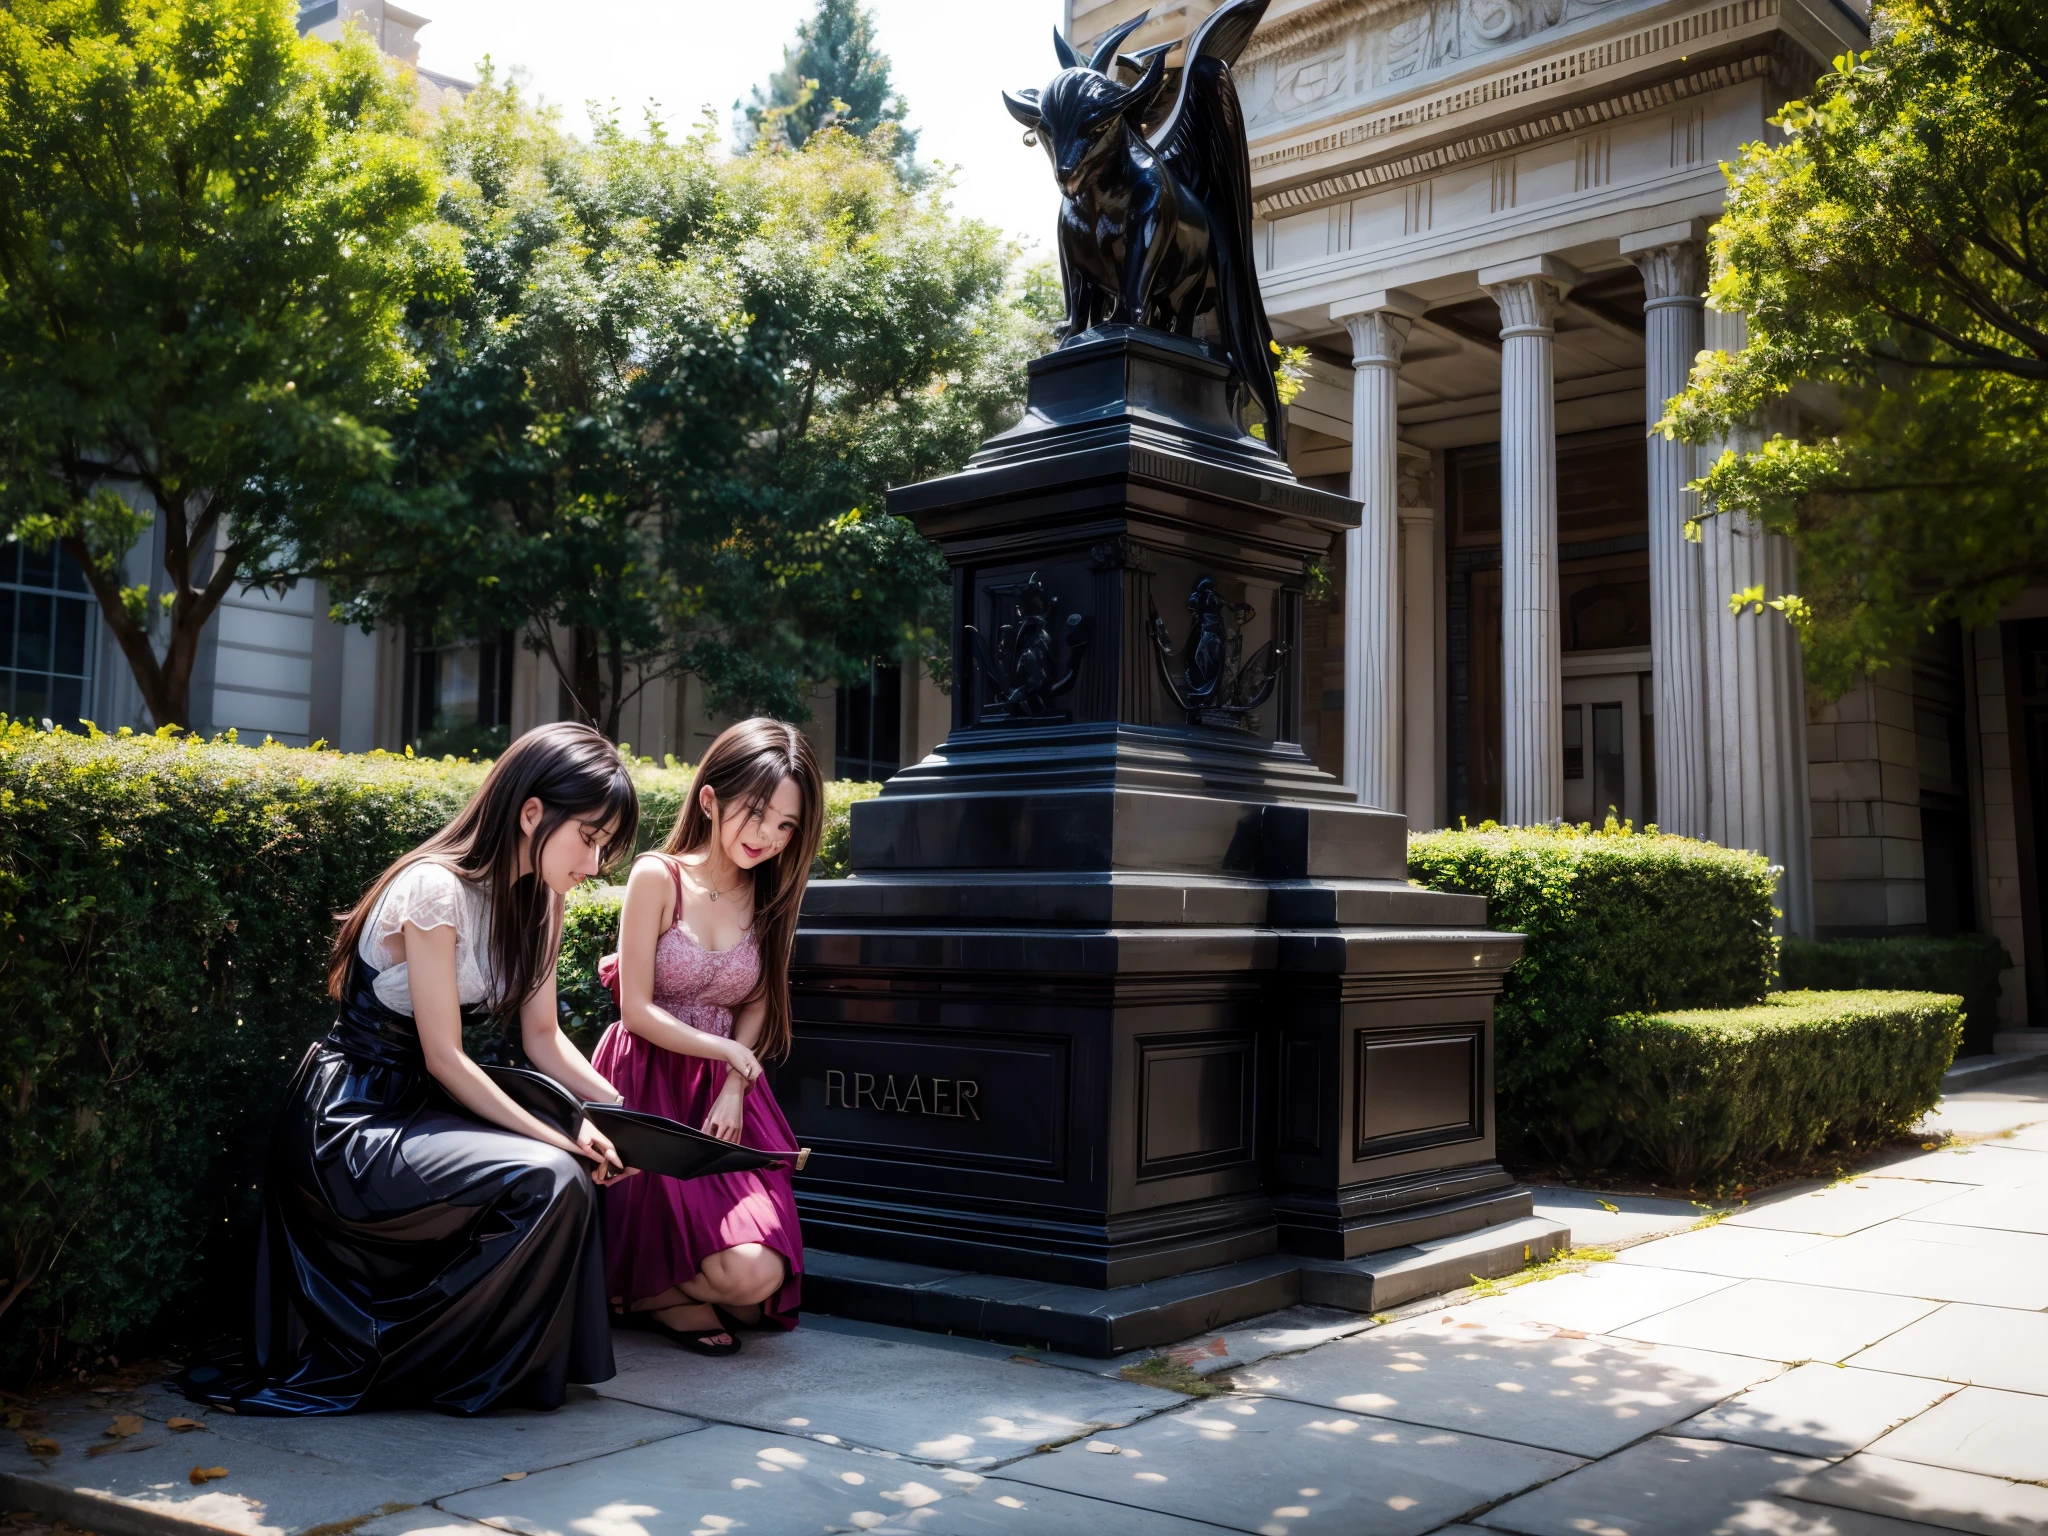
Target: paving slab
[1740, 1253]
[1779, 1321]
[2033, 1138]
[1289, 1469]
[1601, 1299]
[1666, 1487]
[1837, 1210]
[729, 1480]
[1818, 1410]
[1990, 1107]
[1918, 1258]
[1989, 1346]
[144, 1484]
[437, 1453]
[2011, 1207]
[1940, 1496]
[1585, 1396]
[1278, 1333]
[1979, 1429]
[1983, 1162]
[1600, 1220]
[839, 1387]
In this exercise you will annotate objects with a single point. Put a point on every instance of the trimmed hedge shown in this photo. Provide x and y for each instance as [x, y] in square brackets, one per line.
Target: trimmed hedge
[1711, 1096]
[165, 910]
[1969, 964]
[1617, 921]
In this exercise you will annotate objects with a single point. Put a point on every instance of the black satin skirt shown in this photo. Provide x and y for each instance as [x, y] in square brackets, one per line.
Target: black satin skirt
[410, 1254]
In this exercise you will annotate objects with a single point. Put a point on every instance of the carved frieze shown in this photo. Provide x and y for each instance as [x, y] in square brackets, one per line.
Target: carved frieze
[1340, 55]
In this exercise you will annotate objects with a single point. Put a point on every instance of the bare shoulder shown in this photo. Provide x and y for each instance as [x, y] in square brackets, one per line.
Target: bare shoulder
[650, 885]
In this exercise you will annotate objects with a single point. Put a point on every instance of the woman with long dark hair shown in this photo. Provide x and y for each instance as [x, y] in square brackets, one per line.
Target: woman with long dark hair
[703, 985]
[425, 1240]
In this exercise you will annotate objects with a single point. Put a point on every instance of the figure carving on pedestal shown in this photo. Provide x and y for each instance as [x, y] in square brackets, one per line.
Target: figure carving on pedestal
[1024, 670]
[1217, 684]
[1156, 215]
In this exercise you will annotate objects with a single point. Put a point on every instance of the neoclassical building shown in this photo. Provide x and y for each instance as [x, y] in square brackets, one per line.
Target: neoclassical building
[1485, 219]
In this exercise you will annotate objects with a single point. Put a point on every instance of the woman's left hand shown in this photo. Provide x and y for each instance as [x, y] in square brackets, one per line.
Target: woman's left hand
[599, 1149]
[728, 1114]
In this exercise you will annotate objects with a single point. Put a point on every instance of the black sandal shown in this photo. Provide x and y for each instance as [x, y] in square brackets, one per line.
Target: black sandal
[692, 1339]
[736, 1325]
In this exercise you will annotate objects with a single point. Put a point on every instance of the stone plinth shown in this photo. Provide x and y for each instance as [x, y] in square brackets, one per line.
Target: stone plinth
[1122, 986]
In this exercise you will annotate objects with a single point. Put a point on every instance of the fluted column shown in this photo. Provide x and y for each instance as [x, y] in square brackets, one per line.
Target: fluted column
[1372, 571]
[1673, 333]
[1757, 786]
[1532, 687]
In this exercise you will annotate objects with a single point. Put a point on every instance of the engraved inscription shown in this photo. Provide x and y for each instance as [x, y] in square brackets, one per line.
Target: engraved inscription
[950, 1098]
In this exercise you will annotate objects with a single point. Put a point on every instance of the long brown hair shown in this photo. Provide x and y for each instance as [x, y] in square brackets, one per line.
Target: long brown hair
[744, 768]
[577, 776]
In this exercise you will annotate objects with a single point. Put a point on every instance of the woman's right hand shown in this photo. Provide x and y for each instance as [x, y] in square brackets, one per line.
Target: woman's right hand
[742, 1061]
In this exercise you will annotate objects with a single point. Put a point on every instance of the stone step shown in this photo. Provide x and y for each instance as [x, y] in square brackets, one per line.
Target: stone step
[1102, 1323]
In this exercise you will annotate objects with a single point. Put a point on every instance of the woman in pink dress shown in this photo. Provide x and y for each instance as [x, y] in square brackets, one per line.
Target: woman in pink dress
[703, 986]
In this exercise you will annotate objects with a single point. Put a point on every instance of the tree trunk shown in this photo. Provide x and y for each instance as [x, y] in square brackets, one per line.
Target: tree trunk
[165, 682]
[616, 698]
[587, 683]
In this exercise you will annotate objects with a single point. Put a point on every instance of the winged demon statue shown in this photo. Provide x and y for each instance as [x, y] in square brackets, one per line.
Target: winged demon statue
[1156, 214]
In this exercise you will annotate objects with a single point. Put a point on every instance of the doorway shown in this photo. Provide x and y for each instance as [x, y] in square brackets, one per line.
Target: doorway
[1603, 747]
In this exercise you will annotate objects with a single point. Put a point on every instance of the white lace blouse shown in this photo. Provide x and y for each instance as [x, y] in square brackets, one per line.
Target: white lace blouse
[429, 895]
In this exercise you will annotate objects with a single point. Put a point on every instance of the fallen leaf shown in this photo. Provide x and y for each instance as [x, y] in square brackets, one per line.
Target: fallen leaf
[124, 1425]
[109, 1447]
[183, 1424]
[43, 1445]
[513, 1477]
[1569, 1333]
[1101, 1447]
[208, 1474]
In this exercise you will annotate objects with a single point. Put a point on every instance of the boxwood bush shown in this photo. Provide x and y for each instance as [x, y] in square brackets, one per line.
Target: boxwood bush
[1712, 1096]
[1618, 921]
[165, 910]
[1968, 964]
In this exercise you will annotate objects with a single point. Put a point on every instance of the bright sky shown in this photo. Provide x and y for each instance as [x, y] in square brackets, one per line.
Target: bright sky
[951, 57]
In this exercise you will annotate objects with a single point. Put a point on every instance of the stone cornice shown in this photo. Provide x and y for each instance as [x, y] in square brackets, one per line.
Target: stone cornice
[1672, 35]
[1569, 120]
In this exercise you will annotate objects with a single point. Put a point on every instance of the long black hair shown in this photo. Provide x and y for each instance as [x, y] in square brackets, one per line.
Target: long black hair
[577, 776]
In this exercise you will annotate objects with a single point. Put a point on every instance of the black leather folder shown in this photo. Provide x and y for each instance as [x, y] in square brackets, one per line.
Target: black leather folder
[651, 1143]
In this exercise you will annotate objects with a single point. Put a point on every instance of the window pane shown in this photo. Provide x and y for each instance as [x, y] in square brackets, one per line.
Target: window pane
[1574, 741]
[31, 695]
[6, 628]
[67, 702]
[70, 658]
[38, 566]
[1608, 791]
[456, 681]
[32, 633]
[69, 576]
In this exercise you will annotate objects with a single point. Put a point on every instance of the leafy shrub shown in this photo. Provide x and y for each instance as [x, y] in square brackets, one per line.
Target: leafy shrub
[1968, 964]
[165, 911]
[1710, 1096]
[1617, 921]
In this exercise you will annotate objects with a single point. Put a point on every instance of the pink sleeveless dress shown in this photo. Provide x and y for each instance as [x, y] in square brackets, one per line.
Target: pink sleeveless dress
[658, 1230]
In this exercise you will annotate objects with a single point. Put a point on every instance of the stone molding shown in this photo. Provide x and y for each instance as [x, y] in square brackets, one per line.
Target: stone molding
[1554, 125]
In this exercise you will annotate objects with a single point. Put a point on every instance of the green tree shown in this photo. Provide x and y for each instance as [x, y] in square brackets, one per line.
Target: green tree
[834, 77]
[209, 232]
[661, 415]
[1890, 255]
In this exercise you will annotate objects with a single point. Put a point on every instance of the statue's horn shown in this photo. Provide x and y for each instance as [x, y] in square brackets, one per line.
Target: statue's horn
[1105, 51]
[1024, 107]
[1141, 91]
[1068, 58]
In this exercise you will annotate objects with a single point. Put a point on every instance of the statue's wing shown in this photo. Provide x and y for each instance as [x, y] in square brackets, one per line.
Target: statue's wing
[1222, 38]
[1202, 141]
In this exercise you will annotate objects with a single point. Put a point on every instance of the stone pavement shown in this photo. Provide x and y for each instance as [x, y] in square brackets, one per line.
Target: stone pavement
[1867, 1358]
